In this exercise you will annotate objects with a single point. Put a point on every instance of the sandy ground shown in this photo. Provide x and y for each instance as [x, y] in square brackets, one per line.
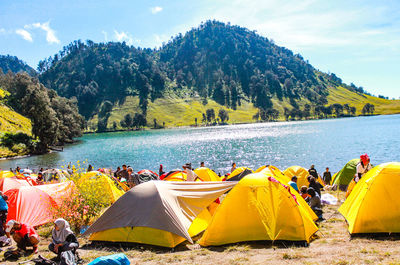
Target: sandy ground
[332, 245]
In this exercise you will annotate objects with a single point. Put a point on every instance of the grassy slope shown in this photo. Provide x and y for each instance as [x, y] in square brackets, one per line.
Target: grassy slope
[382, 106]
[176, 111]
[10, 121]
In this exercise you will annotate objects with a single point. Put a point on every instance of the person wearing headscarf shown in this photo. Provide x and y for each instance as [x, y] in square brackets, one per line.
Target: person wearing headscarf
[362, 167]
[63, 239]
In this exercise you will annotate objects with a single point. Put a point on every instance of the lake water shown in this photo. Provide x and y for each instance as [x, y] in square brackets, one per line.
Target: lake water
[324, 143]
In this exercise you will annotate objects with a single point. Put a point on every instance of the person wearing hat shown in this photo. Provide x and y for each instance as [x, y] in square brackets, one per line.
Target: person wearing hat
[23, 235]
[190, 175]
[362, 167]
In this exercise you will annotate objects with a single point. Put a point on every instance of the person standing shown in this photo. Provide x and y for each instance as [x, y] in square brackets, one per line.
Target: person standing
[190, 175]
[133, 178]
[116, 173]
[362, 167]
[313, 172]
[327, 177]
[123, 174]
[293, 183]
[233, 167]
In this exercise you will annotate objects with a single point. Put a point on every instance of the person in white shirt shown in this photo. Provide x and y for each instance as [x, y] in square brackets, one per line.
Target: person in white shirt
[362, 167]
[191, 176]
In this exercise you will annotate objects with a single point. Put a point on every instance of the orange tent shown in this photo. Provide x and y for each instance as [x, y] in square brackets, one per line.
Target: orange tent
[34, 205]
[176, 175]
[12, 183]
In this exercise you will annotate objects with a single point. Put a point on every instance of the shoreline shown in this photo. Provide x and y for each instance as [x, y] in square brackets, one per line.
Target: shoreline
[229, 124]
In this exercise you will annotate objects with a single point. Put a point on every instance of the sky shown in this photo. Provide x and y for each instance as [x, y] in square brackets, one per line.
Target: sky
[358, 40]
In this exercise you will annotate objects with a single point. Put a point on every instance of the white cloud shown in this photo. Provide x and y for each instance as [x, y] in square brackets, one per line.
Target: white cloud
[2, 31]
[159, 39]
[24, 34]
[125, 36]
[50, 33]
[156, 9]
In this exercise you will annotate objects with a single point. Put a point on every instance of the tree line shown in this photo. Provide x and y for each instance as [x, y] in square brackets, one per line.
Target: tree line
[55, 120]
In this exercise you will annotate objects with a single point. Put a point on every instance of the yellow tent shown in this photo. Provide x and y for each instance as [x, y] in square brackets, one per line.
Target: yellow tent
[206, 174]
[160, 213]
[301, 173]
[6, 174]
[239, 173]
[94, 182]
[276, 173]
[175, 175]
[259, 208]
[373, 205]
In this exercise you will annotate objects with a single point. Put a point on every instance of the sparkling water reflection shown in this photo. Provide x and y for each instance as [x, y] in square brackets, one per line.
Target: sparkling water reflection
[323, 143]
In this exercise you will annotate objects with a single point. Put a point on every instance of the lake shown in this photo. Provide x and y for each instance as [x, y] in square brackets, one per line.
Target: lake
[325, 143]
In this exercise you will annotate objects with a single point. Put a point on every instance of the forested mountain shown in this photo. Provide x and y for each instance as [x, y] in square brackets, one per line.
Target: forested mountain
[228, 64]
[13, 64]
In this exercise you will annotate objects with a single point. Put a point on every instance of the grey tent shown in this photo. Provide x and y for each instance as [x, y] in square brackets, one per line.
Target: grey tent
[155, 210]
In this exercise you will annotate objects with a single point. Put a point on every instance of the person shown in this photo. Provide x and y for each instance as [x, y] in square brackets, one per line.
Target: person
[362, 167]
[313, 172]
[23, 235]
[117, 172]
[160, 170]
[133, 178]
[327, 177]
[315, 203]
[202, 164]
[293, 183]
[233, 167]
[190, 175]
[39, 179]
[315, 185]
[63, 239]
[3, 213]
[303, 193]
[123, 174]
[90, 168]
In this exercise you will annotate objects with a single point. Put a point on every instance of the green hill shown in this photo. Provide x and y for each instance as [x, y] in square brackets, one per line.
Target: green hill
[15, 65]
[215, 65]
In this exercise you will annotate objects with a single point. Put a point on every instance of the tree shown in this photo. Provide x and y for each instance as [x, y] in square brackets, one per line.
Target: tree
[353, 110]
[306, 112]
[155, 123]
[127, 121]
[347, 108]
[139, 120]
[223, 115]
[338, 109]
[210, 115]
[286, 113]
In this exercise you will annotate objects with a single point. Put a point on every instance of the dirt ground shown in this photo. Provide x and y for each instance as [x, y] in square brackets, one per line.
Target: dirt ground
[332, 245]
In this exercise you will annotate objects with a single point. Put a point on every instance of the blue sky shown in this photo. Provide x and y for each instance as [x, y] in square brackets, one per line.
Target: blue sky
[357, 40]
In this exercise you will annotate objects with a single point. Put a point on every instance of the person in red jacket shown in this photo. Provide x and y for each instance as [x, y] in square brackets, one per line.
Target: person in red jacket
[23, 235]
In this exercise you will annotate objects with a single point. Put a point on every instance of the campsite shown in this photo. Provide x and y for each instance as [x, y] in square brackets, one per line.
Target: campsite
[253, 219]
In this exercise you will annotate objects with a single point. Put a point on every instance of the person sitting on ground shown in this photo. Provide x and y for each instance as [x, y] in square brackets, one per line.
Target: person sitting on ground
[190, 175]
[327, 177]
[293, 183]
[63, 239]
[233, 167]
[362, 167]
[313, 172]
[315, 185]
[304, 194]
[315, 203]
[23, 235]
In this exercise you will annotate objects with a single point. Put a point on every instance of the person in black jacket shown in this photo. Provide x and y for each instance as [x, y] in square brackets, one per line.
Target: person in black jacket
[315, 185]
[63, 239]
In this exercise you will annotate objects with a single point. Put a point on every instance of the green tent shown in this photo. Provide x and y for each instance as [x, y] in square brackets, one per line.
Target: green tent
[346, 174]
